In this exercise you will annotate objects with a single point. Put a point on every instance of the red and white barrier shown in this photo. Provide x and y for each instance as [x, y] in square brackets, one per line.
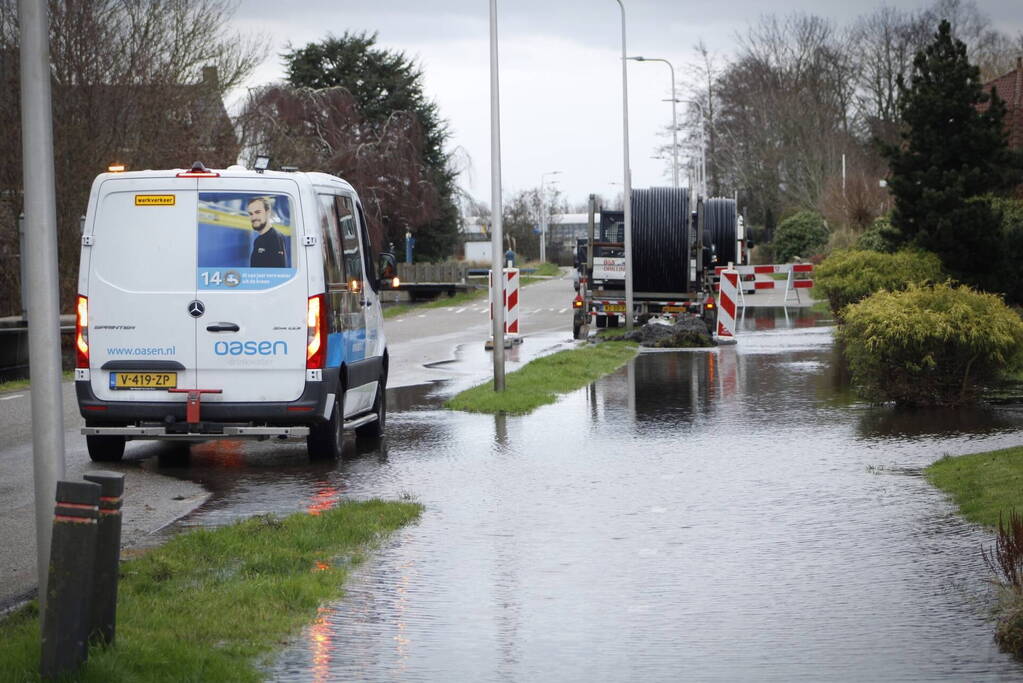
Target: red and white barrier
[728, 297]
[791, 283]
[511, 301]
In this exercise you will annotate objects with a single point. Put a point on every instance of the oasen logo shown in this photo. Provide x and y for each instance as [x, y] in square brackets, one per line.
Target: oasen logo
[251, 348]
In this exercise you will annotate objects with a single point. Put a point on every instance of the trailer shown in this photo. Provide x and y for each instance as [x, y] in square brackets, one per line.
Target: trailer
[676, 245]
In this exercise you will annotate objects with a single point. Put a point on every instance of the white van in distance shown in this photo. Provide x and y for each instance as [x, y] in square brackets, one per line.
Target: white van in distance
[228, 303]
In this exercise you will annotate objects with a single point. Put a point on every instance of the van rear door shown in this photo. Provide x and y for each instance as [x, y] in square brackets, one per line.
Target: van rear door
[141, 285]
[250, 274]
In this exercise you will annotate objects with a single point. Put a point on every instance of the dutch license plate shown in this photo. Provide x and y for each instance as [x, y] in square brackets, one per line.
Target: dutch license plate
[614, 308]
[143, 380]
[673, 309]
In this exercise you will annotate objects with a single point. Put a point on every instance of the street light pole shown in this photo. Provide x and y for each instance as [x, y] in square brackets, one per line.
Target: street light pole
[497, 234]
[543, 215]
[627, 199]
[674, 116]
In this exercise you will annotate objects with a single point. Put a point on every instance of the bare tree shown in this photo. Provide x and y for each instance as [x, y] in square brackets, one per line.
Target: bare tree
[322, 129]
[784, 111]
[135, 82]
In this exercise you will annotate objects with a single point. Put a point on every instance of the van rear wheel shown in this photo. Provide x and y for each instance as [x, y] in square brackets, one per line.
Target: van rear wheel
[326, 440]
[375, 429]
[105, 448]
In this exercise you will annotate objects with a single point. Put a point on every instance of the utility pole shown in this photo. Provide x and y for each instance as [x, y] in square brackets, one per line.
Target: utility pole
[41, 265]
[497, 238]
[627, 199]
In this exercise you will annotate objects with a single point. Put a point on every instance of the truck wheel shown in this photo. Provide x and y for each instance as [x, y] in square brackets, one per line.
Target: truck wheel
[105, 448]
[375, 429]
[325, 440]
[575, 330]
[601, 321]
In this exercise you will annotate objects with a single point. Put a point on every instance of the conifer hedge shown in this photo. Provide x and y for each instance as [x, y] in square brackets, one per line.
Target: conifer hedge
[930, 345]
[849, 275]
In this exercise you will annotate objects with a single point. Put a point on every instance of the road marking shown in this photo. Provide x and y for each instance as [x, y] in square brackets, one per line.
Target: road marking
[422, 315]
[563, 310]
[9, 398]
[460, 310]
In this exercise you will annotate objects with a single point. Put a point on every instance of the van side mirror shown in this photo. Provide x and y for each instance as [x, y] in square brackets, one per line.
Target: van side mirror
[388, 271]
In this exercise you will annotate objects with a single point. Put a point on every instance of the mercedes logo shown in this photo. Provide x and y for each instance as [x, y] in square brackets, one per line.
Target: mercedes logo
[196, 308]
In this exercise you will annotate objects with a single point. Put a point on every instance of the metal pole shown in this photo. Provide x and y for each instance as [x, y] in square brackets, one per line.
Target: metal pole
[497, 238]
[627, 179]
[543, 221]
[23, 281]
[674, 125]
[41, 266]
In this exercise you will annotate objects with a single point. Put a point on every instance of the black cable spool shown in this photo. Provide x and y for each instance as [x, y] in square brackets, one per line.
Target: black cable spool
[660, 240]
[719, 228]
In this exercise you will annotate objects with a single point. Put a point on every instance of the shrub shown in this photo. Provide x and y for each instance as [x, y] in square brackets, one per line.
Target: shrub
[929, 345]
[1005, 268]
[878, 236]
[843, 237]
[800, 235]
[847, 276]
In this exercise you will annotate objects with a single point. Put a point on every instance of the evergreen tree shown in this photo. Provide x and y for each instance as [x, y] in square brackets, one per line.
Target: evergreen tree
[949, 153]
[384, 82]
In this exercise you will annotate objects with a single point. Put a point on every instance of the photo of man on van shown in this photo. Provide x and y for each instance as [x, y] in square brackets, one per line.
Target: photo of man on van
[269, 249]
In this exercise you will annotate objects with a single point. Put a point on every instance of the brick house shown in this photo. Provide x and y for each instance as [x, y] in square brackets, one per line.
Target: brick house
[1010, 89]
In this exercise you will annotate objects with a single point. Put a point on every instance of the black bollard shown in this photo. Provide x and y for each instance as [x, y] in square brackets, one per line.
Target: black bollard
[108, 556]
[65, 645]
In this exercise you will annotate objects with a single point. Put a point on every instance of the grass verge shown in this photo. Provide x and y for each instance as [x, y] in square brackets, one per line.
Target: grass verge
[19, 384]
[540, 381]
[982, 485]
[210, 603]
[988, 489]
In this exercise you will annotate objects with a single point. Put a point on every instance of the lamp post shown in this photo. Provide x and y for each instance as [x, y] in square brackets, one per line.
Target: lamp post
[543, 215]
[674, 115]
[627, 179]
[497, 236]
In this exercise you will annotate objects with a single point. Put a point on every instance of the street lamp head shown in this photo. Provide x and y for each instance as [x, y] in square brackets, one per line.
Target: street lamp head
[637, 59]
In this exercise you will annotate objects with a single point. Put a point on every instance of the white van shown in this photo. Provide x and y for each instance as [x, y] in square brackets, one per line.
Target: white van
[228, 303]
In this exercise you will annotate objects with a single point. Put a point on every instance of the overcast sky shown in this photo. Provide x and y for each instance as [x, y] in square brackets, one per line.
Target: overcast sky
[561, 85]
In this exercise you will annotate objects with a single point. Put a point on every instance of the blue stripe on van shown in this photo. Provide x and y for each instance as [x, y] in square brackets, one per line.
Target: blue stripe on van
[346, 347]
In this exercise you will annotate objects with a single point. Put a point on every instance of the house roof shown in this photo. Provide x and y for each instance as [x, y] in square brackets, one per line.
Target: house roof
[1010, 89]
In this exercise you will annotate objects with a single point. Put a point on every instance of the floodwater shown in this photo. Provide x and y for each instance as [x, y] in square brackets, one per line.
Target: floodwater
[732, 514]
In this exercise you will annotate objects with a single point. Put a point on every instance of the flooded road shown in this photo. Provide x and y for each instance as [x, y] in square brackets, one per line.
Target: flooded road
[725, 515]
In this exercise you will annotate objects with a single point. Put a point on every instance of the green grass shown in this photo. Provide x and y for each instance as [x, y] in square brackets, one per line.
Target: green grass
[982, 485]
[211, 604]
[541, 380]
[19, 384]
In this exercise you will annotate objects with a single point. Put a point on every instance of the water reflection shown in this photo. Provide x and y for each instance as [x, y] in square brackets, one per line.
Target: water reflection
[706, 515]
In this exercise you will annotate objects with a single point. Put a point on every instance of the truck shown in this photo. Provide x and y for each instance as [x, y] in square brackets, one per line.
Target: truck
[676, 245]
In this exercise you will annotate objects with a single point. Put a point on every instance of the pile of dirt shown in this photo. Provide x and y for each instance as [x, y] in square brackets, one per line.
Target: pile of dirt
[687, 333]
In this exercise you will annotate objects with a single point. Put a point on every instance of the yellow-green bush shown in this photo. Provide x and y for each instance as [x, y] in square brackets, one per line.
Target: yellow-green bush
[930, 345]
[849, 275]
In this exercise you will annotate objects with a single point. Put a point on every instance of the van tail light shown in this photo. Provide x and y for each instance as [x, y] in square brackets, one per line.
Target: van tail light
[395, 282]
[82, 333]
[577, 302]
[316, 333]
